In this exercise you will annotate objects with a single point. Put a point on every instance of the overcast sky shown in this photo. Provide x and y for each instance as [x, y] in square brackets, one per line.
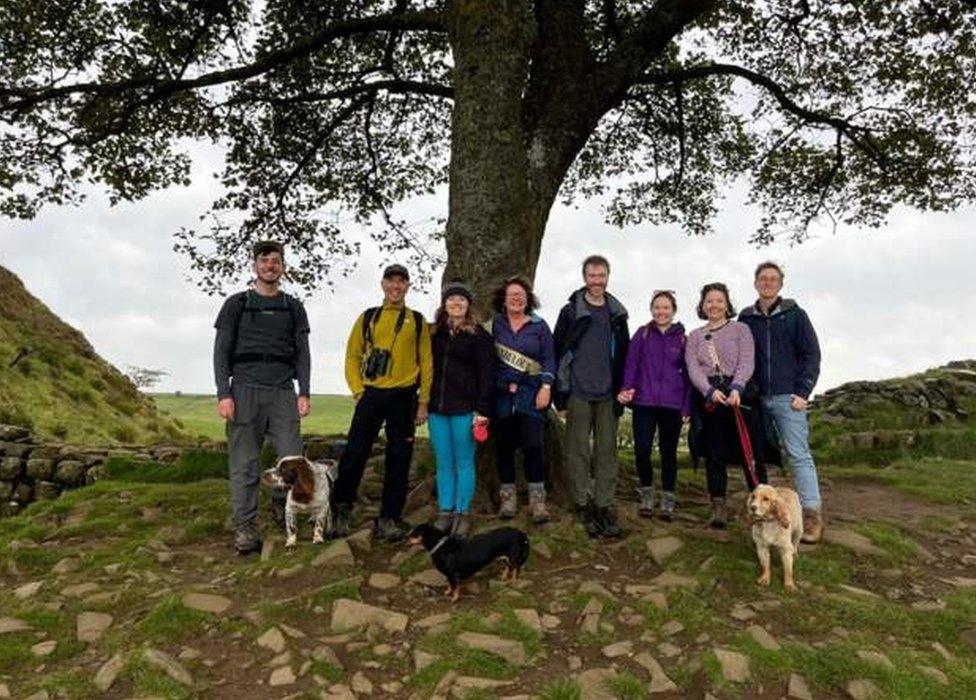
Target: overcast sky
[885, 302]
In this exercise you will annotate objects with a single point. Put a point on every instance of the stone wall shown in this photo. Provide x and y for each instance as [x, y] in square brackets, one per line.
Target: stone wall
[34, 469]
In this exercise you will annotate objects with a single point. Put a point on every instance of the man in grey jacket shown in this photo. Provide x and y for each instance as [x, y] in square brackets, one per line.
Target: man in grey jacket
[260, 349]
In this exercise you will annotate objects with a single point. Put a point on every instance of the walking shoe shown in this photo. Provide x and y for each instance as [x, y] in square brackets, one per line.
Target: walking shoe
[509, 502]
[537, 503]
[667, 505]
[646, 507]
[462, 525]
[444, 521]
[813, 525]
[390, 529]
[586, 514]
[719, 517]
[340, 520]
[608, 523]
[247, 539]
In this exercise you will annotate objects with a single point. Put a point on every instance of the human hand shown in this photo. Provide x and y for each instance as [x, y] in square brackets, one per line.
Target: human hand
[718, 397]
[562, 414]
[543, 397]
[304, 406]
[685, 419]
[512, 387]
[479, 420]
[734, 398]
[626, 396]
[798, 403]
[421, 417]
[225, 408]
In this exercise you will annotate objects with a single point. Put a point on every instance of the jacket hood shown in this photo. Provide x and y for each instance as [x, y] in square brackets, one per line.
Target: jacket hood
[578, 300]
[782, 306]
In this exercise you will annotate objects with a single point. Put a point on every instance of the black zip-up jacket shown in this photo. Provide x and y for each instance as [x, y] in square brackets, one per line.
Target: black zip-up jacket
[787, 350]
[573, 321]
[462, 371]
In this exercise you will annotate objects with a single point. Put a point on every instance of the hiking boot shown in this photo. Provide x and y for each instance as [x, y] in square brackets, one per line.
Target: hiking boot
[608, 523]
[667, 505]
[444, 521]
[812, 525]
[586, 514]
[646, 507]
[462, 526]
[247, 539]
[509, 503]
[341, 520]
[537, 503]
[390, 529]
[719, 516]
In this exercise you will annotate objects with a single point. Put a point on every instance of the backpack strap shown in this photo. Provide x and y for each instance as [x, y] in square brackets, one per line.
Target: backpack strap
[368, 316]
[418, 319]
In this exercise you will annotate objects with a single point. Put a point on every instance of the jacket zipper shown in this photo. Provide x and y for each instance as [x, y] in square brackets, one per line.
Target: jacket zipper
[769, 354]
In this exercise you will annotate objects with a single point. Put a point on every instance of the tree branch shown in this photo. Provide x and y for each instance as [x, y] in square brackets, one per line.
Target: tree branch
[402, 87]
[423, 20]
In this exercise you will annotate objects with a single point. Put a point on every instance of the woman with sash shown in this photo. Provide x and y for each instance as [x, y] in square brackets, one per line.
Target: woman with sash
[525, 368]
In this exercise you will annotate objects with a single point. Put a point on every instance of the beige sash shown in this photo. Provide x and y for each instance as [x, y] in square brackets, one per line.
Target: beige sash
[516, 360]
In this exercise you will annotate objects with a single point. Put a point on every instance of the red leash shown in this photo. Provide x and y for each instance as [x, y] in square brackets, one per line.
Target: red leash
[750, 459]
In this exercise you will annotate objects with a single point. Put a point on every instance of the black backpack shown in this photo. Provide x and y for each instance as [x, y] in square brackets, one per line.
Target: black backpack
[241, 299]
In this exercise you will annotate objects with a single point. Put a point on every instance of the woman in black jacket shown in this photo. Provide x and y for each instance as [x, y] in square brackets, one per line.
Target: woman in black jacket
[460, 400]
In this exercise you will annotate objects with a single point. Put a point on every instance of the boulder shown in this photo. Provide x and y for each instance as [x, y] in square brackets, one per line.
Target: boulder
[40, 469]
[351, 614]
[662, 548]
[595, 684]
[660, 683]
[207, 602]
[170, 666]
[70, 472]
[11, 468]
[46, 491]
[108, 672]
[336, 554]
[735, 666]
[90, 626]
[509, 649]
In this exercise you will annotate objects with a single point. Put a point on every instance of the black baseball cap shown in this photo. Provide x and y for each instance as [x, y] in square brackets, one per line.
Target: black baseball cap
[396, 270]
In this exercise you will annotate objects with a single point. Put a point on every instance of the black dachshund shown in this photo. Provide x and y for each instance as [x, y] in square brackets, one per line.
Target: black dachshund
[460, 559]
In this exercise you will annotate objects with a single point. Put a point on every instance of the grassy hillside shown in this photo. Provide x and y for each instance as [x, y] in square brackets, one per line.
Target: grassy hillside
[198, 414]
[53, 381]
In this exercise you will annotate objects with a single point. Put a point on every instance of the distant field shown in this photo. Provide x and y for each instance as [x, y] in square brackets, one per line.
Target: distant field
[198, 413]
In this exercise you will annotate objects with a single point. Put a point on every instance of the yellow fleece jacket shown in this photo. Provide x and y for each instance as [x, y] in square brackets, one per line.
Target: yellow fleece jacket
[403, 371]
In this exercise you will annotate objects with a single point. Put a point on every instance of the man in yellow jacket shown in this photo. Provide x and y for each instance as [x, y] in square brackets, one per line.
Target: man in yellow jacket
[389, 371]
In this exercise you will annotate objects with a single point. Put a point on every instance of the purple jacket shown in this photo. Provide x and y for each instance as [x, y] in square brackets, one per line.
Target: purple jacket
[656, 368]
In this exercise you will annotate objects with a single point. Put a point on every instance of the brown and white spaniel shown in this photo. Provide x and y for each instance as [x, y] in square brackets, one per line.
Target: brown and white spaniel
[309, 487]
[777, 521]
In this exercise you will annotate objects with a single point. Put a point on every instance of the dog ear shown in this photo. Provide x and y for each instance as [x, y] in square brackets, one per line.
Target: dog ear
[304, 488]
[779, 512]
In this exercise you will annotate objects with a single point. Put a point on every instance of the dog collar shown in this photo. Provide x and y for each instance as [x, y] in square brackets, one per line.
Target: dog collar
[437, 546]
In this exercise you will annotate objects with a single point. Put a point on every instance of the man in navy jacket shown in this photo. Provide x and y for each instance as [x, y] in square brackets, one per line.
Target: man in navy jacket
[787, 367]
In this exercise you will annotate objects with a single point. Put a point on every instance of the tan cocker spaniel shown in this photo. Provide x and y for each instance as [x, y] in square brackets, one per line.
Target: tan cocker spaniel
[777, 521]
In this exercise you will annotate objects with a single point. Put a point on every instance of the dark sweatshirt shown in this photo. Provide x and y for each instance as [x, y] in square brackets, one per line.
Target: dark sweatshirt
[274, 327]
[787, 349]
[463, 363]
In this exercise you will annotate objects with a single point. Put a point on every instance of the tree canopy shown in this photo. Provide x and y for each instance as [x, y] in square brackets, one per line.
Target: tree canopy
[829, 110]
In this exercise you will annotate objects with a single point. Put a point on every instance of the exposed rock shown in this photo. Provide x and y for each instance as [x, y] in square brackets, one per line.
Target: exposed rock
[858, 591]
[463, 684]
[292, 632]
[351, 614]
[66, 566]
[935, 674]
[12, 624]
[672, 580]
[421, 659]
[943, 652]
[325, 654]
[283, 675]
[596, 588]
[862, 689]
[671, 628]
[170, 666]
[432, 578]
[42, 649]
[530, 618]
[594, 606]
[28, 590]
[92, 625]
[383, 581]
[361, 685]
[660, 683]
[798, 689]
[742, 613]
[595, 684]
[361, 541]
[207, 602]
[735, 666]
[854, 541]
[267, 549]
[336, 554]
[338, 692]
[108, 672]
[272, 639]
[551, 622]
[763, 638]
[4, 691]
[611, 651]
[876, 658]
[668, 650]
[508, 649]
[433, 620]
[662, 548]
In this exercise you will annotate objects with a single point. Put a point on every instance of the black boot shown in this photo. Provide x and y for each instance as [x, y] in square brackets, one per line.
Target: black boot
[247, 539]
[341, 520]
[587, 515]
[390, 529]
[608, 523]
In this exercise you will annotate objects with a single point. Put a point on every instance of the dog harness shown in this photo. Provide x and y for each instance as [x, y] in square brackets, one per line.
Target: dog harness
[437, 546]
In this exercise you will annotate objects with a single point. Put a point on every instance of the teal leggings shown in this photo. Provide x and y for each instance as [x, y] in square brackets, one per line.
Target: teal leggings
[454, 449]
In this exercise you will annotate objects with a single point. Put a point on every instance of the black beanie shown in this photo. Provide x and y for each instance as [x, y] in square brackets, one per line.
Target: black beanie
[456, 287]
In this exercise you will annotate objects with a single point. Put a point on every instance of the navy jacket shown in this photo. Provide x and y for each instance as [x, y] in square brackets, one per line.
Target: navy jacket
[787, 349]
[533, 340]
[573, 321]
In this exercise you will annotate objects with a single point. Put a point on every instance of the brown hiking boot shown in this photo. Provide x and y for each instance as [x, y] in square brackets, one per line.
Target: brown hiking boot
[537, 503]
[813, 526]
[509, 503]
[719, 515]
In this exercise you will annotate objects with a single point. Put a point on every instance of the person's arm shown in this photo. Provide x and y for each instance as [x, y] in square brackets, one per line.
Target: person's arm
[224, 347]
[426, 365]
[548, 358]
[696, 373]
[303, 357]
[683, 370]
[809, 351]
[746, 363]
[563, 325]
[354, 358]
[632, 364]
[484, 369]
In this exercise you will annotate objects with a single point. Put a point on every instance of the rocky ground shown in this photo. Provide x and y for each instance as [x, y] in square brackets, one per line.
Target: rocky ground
[131, 590]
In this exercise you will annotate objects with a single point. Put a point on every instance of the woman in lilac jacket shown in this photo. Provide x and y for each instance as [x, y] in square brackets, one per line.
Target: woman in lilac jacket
[721, 358]
[656, 387]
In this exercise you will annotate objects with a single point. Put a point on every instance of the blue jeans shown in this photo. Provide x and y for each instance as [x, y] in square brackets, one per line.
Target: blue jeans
[454, 449]
[789, 428]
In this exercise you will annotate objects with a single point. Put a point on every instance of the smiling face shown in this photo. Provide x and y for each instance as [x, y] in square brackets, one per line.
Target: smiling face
[769, 282]
[516, 300]
[394, 288]
[595, 277]
[269, 267]
[456, 306]
[662, 311]
[716, 307]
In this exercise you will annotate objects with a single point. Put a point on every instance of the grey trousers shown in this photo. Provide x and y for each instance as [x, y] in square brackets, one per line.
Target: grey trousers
[258, 413]
[599, 419]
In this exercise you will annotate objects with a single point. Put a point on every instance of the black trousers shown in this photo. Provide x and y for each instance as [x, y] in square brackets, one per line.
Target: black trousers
[722, 446]
[515, 430]
[396, 408]
[667, 423]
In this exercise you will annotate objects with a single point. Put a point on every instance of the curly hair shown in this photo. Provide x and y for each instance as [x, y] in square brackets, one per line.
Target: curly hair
[715, 287]
[498, 296]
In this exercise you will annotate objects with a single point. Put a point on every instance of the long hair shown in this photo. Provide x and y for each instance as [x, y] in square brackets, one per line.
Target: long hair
[469, 324]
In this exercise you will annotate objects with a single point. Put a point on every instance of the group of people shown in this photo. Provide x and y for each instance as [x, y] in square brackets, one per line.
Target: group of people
[462, 376]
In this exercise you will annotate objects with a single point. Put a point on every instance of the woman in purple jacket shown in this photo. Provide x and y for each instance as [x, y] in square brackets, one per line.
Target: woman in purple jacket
[721, 358]
[657, 388]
